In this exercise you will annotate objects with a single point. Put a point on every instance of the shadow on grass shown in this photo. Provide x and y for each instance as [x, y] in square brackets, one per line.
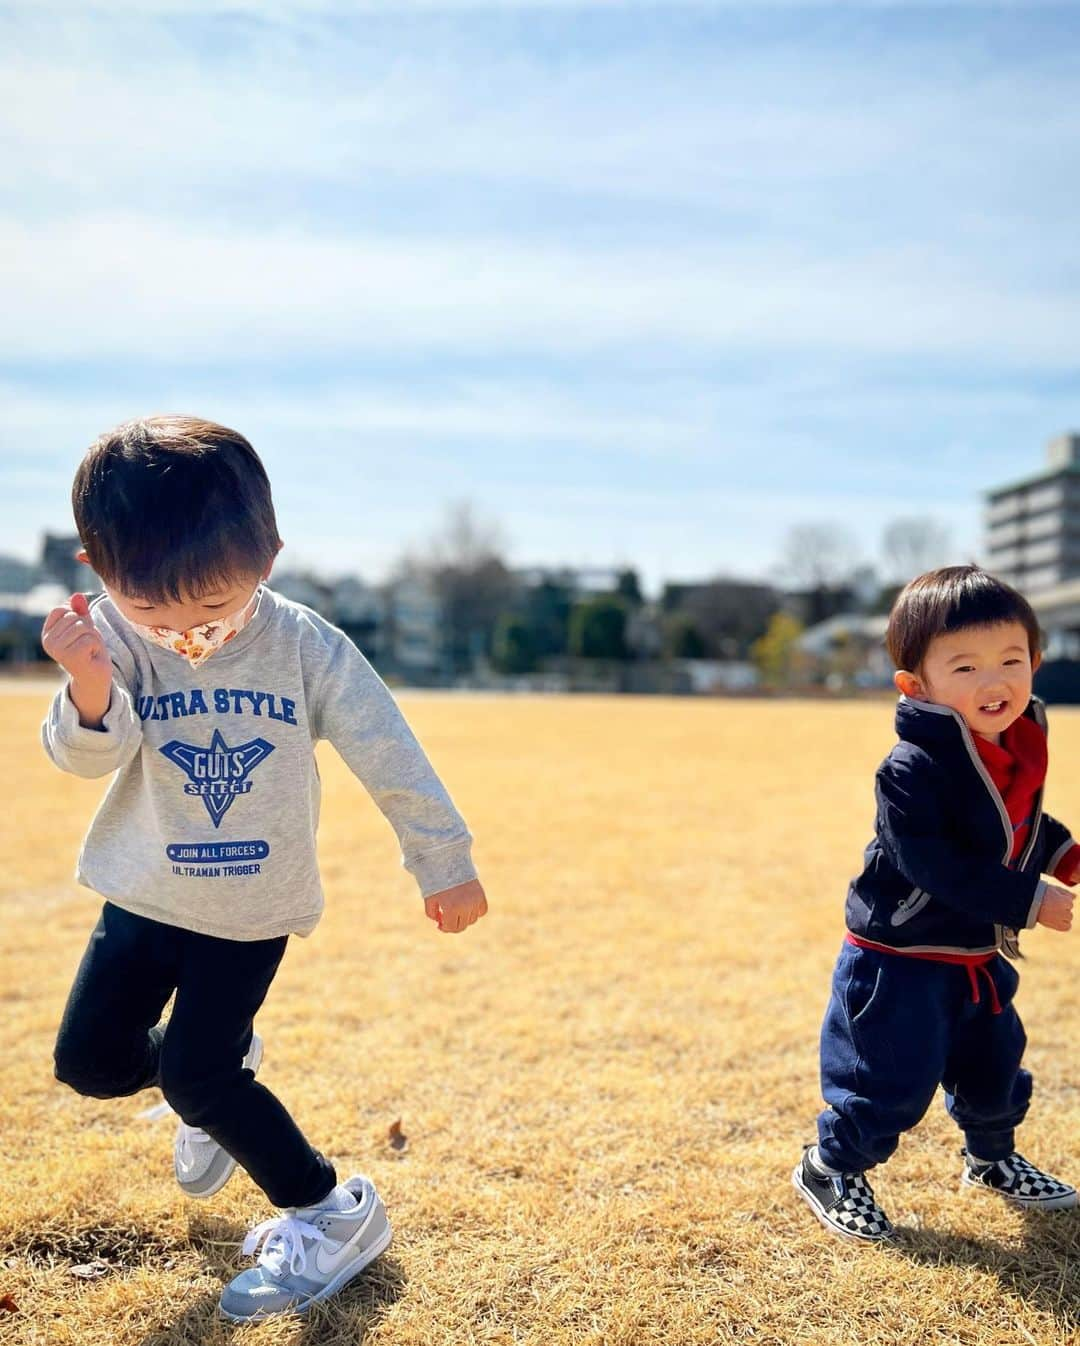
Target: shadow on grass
[1043, 1270]
[345, 1318]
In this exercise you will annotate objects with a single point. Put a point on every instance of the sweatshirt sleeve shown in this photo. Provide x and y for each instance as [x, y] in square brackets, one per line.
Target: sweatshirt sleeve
[92, 752]
[356, 713]
[911, 833]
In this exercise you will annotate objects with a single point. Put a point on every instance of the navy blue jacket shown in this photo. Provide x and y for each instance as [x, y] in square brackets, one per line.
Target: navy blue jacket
[936, 877]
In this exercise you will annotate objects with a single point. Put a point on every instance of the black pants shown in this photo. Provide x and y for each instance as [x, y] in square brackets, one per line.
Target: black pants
[897, 1028]
[109, 1045]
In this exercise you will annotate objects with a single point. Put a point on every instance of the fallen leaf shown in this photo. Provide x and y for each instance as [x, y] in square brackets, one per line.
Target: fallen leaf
[89, 1271]
[398, 1140]
[7, 1304]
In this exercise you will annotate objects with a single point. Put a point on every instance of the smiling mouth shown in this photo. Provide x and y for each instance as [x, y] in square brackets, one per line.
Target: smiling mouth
[993, 707]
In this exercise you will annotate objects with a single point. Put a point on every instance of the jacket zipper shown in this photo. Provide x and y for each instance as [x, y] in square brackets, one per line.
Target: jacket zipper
[969, 745]
[1007, 938]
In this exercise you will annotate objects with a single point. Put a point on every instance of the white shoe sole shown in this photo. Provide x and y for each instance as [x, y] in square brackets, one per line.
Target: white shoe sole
[251, 1062]
[1064, 1202]
[825, 1222]
[331, 1288]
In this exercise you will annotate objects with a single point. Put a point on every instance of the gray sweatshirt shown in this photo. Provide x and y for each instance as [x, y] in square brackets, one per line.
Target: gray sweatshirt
[210, 821]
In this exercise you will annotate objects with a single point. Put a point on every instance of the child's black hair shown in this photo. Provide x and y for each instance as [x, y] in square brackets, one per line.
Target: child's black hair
[951, 599]
[174, 507]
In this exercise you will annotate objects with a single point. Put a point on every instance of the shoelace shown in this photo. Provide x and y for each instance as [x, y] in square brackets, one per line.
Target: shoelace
[190, 1135]
[283, 1243]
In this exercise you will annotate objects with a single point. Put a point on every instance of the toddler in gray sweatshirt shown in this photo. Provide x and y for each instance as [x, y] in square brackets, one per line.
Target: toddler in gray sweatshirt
[205, 691]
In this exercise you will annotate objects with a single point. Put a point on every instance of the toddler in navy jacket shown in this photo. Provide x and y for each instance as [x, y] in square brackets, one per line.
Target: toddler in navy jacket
[921, 995]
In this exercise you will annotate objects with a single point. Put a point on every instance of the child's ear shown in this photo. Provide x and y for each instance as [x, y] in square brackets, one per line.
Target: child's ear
[82, 556]
[908, 684]
[1036, 660]
[266, 572]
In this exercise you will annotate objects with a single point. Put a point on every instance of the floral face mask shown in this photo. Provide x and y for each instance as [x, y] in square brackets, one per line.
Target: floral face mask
[200, 642]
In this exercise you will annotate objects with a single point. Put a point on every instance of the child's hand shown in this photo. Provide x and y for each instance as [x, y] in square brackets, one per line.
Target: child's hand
[70, 637]
[455, 908]
[1056, 909]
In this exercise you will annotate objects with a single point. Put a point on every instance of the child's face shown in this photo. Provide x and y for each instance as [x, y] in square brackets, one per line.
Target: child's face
[228, 598]
[190, 612]
[984, 672]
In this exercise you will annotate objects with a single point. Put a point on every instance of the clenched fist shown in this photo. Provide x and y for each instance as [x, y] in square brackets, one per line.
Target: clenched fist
[1056, 908]
[70, 637]
[454, 909]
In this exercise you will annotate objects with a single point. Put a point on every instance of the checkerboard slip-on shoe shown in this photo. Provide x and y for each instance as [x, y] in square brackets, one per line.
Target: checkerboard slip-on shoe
[1019, 1182]
[306, 1258]
[843, 1202]
[202, 1167]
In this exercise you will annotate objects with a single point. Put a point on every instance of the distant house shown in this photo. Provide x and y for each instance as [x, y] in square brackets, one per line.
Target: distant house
[21, 619]
[849, 649]
[17, 576]
[645, 632]
[348, 602]
[360, 611]
[303, 588]
[56, 564]
[415, 619]
[578, 581]
[811, 607]
[59, 566]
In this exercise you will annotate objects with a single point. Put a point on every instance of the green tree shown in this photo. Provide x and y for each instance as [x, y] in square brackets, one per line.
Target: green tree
[683, 640]
[598, 628]
[513, 645]
[775, 653]
[545, 608]
[628, 587]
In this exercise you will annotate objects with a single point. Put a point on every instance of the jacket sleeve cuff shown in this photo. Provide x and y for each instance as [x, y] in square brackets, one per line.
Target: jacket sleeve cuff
[443, 868]
[80, 736]
[1065, 862]
[1036, 903]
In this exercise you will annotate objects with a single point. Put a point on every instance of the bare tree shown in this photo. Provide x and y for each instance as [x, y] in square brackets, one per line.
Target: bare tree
[818, 555]
[465, 541]
[727, 614]
[913, 545]
[463, 563]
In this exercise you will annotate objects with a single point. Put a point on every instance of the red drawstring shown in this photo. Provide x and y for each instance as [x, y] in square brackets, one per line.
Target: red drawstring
[973, 969]
[974, 962]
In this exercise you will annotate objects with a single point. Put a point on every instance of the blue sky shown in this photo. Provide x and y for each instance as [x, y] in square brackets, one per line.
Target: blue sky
[647, 284]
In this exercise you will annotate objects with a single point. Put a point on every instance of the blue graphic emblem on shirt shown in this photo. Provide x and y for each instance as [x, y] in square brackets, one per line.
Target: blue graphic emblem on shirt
[219, 773]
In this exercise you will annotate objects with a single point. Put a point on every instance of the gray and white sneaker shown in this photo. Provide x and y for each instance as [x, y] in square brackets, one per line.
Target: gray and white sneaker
[202, 1166]
[307, 1256]
[843, 1202]
[1020, 1182]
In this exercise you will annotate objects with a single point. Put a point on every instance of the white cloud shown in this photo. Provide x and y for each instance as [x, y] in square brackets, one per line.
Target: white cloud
[320, 210]
[173, 202]
[135, 110]
[127, 287]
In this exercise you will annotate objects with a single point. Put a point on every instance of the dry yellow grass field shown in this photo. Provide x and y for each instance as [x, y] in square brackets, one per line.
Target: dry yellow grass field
[604, 1084]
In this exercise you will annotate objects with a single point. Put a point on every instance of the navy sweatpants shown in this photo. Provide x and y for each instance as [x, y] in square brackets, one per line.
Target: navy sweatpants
[898, 1027]
[109, 1044]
